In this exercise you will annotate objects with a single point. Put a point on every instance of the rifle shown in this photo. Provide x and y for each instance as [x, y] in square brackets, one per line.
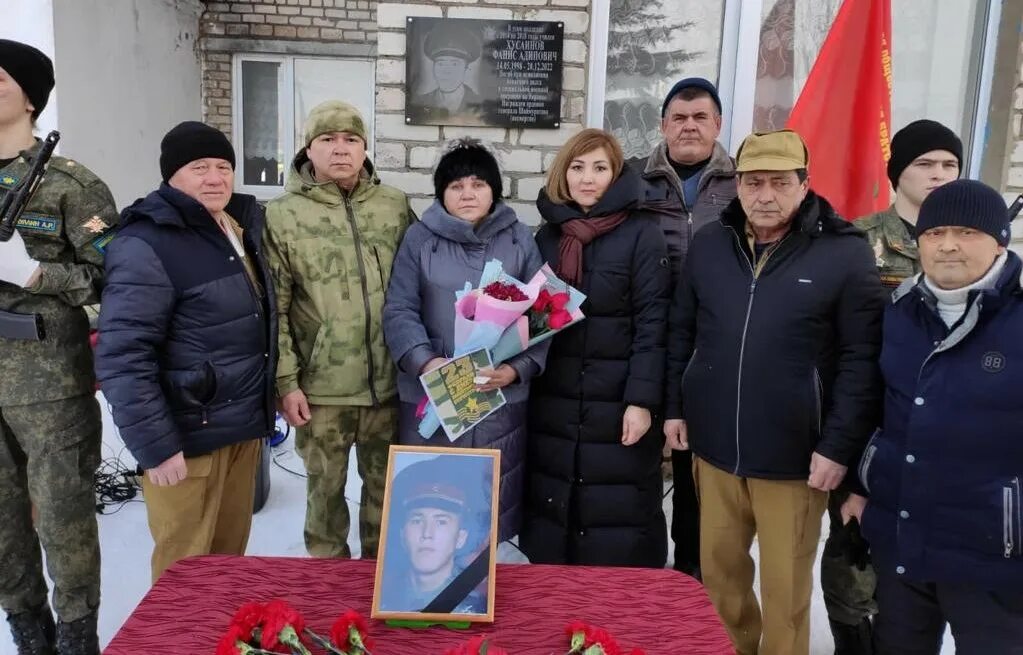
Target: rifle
[12, 324]
[1015, 207]
[17, 199]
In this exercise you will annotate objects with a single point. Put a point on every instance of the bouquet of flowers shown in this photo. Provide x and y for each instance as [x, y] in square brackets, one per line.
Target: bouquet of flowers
[265, 628]
[506, 317]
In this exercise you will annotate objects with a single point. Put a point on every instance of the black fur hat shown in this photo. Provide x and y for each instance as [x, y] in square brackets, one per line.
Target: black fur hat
[463, 158]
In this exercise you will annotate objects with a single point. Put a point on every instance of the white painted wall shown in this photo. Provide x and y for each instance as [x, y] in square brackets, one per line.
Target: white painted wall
[31, 22]
[127, 71]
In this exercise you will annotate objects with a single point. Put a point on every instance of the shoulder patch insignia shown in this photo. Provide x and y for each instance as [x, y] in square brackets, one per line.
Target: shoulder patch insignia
[38, 222]
[96, 225]
[8, 181]
[102, 242]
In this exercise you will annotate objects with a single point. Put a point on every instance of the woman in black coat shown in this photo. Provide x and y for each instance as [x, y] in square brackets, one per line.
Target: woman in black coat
[594, 486]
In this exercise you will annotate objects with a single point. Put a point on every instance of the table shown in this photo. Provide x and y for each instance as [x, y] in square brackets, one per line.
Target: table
[660, 610]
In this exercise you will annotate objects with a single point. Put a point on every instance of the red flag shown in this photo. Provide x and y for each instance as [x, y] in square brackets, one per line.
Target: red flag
[844, 110]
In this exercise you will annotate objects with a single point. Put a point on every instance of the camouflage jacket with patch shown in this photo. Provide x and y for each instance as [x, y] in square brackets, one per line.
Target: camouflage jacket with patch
[66, 227]
[894, 247]
[330, 256]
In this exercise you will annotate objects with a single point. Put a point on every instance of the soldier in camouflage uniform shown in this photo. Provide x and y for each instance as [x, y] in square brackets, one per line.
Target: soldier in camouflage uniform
[925, 155]
[330, 240]
[50, 427]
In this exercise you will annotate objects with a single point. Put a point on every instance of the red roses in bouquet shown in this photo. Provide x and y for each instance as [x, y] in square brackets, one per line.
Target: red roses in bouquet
[549, 313]
[276, 625]
[505, 291]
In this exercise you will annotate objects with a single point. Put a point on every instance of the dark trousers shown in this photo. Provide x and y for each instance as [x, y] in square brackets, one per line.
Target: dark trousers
[685, 513]
[912, 618]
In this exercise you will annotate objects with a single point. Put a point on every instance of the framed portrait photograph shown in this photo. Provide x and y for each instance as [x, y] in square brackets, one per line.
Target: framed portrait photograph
[438, 537]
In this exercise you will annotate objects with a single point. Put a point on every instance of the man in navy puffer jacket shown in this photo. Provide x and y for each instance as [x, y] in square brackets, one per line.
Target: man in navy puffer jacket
[187, 347]
[944, 473]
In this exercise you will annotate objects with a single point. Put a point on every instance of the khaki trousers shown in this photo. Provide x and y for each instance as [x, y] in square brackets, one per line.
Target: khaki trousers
[786, 517]
[207, 513]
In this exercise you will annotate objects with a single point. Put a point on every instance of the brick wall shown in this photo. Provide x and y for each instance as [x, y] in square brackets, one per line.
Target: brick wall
[406, 154]
[272, 25]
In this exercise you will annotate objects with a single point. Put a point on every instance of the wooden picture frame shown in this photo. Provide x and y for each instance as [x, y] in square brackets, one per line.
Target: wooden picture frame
[438, 535]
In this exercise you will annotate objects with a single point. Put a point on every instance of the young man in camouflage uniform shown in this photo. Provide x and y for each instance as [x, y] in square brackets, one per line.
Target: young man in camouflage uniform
[50, 427]
[925, 155]
[330, 241]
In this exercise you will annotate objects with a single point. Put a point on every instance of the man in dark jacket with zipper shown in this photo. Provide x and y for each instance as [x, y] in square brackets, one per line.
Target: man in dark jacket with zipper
[187, 347]
[944, 473]
[773, 382]
[690, 179]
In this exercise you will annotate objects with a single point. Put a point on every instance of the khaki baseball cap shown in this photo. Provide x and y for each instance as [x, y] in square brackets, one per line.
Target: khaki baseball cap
[782, 150]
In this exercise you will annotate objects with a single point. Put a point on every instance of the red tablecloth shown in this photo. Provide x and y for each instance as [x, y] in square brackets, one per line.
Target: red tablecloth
[662, 611]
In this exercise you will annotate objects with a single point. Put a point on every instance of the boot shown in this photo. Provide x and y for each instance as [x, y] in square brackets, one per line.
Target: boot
[852, 639]
[33, 631]
[78, 637]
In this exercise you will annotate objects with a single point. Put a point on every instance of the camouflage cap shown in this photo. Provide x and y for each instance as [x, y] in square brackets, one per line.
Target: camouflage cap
[333, 116]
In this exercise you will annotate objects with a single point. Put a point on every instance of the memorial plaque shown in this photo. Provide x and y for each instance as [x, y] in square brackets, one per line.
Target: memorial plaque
[495, 73]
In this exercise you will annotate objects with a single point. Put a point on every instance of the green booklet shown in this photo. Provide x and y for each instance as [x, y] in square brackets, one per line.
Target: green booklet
[452, 392]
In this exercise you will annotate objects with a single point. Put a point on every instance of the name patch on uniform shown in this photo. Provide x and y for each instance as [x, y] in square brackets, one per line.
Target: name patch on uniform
[38, 222]
[102, 242]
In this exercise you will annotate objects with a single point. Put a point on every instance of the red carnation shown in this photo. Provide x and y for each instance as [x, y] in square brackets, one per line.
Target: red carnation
[341, 631]
[278, 616]
[247, 618]
[228, 644]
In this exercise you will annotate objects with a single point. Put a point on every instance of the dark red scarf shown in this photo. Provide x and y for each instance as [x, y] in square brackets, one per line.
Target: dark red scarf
[575, 235]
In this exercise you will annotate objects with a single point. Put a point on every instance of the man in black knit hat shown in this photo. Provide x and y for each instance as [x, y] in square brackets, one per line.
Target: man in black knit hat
[924, 156]
[187, 347]
[50, 427]
[944, 473]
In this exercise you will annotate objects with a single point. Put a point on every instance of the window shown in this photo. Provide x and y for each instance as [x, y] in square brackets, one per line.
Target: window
[936, 48]
[273, 95]
[651, 45]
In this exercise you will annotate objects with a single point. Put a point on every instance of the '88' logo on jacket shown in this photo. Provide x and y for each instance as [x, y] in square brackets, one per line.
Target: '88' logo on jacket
[993, 362]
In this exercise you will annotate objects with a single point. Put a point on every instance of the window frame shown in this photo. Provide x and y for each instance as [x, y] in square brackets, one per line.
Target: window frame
[737, 73]
[291, 134]
[285, 109]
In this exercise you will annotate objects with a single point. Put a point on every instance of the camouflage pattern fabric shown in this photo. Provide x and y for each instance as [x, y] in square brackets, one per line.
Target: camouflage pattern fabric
[848, 591]
[894, 247]
[333, 116]
[48, 455]
[330, 256]
[325, 444]
[66, 227]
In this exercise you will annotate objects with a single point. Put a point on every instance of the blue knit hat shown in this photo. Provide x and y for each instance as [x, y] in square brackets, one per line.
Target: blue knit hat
[692, 83]
[966, 203]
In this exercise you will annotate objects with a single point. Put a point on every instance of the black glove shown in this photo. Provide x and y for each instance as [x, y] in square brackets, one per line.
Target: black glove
[847, 542]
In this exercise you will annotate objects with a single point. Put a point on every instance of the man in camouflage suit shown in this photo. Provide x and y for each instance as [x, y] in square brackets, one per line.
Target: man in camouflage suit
[925, 155]
[50, 427]
[330, 240]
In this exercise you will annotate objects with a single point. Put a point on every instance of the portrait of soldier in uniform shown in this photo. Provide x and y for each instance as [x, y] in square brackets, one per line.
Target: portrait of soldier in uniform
[447, 95]
[439, 534]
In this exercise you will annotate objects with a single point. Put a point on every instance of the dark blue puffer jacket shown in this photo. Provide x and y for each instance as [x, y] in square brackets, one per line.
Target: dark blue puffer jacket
[187, 350]
[944, 474]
